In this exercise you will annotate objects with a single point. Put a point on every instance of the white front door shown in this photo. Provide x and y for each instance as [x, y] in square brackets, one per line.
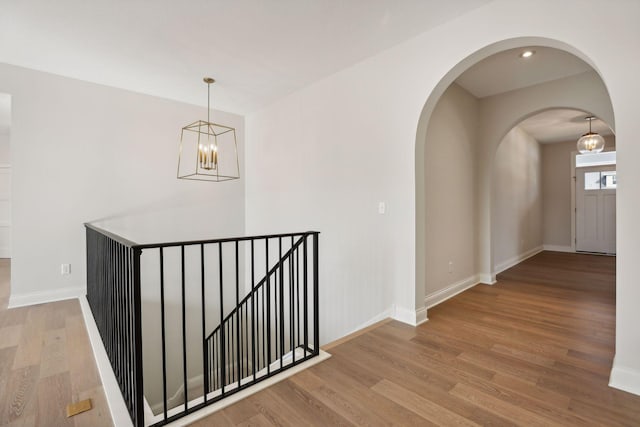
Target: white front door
[596, 209]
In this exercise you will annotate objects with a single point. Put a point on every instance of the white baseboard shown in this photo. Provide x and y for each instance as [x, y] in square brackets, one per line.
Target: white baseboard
[377, 318]
[40, 297]
[486, 279]
[557, 248]
[442, 295]
[421, 316]
[625, 378]
[408, 316]
[117, 406]
[516, 260]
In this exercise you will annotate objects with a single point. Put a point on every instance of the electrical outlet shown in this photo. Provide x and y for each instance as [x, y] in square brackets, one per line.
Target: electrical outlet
[382, 208]
[65, 269]
[450, 267]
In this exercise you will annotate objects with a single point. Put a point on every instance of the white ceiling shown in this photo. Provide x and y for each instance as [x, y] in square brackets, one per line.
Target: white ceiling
[560, 125]
[257, 50]
[506, 71]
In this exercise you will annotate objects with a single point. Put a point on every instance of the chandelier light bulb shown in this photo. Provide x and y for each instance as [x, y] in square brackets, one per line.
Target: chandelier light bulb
[590, 142]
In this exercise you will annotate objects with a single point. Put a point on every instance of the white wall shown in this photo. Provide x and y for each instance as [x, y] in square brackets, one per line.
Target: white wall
[324, 156]
[450, 159]
[83, 152]
[5, 175]
[5, 148]
[556, 191]
[517, 199]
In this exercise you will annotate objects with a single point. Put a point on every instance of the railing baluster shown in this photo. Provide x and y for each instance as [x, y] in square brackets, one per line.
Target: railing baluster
[263, 310]
[291, 314]
[268, 326]
[253, 314]
[316, 315]
[216, 359]
[281, 300]
[238, 346]
[205, 365]
[137, 339]
[163, 336]
[222, 361]
[305, 300]
[184, 330]
[298, 292]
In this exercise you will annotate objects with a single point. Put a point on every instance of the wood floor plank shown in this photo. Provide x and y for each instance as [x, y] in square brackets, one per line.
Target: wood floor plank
[498, 406]
[353, 410]
[53, 392]
[523, 355]
[54, 354]
[527, 389]
[83, 370]
[10, 336]
[222, 420]
[18, 392]
[30, 346]
[313, 408]
[602, 414]
[6, 363]
[256, 421]
[40, 371]
[344, 380]
[423, 407]
[441, 362]
[24, 421]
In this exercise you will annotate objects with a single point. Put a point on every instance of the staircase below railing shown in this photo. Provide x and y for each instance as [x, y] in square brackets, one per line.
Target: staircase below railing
[208, 328]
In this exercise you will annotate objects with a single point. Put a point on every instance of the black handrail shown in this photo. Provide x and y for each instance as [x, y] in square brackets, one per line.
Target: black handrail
[114, 295]
[119, 239]
[221, 240]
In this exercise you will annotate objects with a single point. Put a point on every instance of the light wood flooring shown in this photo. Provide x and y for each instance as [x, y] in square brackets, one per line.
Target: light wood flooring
[46, 362]
[535, 349]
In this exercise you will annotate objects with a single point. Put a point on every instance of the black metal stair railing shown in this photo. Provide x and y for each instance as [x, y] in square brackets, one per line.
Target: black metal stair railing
[267, 331]
[258, 327]
[113, 294]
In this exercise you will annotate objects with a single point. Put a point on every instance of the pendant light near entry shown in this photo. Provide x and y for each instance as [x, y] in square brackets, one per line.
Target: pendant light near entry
[590, 142]
[208, 151]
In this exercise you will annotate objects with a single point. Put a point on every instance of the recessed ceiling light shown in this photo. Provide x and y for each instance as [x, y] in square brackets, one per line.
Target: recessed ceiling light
[527, 54]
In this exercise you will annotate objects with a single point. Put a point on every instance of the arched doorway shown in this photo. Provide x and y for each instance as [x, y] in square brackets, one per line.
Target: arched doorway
[534, 188]
[499, 116]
